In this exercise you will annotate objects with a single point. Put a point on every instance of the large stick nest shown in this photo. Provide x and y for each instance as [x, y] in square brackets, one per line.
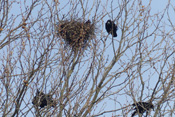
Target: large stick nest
[76, 33]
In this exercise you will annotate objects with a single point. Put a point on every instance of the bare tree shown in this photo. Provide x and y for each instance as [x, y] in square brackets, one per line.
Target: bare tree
[104, 77]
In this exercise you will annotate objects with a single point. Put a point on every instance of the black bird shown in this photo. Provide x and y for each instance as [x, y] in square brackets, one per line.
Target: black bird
[88, 22]
[141, 107]
[111, 28]
[43, 100]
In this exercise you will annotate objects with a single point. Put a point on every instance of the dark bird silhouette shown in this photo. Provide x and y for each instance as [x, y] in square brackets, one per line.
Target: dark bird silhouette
[141, 107]
[88, 22]
[111, 28]
[43, 100]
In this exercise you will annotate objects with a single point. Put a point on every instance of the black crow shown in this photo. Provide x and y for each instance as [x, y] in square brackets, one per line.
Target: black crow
[43, 100]
[141, 107]
[111, 28]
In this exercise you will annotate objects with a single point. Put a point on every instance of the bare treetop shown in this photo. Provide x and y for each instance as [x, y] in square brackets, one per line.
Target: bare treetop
[80, 65]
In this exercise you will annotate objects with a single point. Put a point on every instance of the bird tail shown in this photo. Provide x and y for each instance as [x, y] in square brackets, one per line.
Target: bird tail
[115, 34]
[133, 114]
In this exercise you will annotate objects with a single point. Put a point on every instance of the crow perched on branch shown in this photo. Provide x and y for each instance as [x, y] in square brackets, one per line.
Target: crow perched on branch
[111, 28]
[141, 107]
[42, 100]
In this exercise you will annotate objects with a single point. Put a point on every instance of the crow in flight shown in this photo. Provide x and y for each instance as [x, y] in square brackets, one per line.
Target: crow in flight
[42, 100]
[141, 107]
[111, 28]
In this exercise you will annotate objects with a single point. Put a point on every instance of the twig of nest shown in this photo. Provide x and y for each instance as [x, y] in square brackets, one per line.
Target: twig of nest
[76, 33]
